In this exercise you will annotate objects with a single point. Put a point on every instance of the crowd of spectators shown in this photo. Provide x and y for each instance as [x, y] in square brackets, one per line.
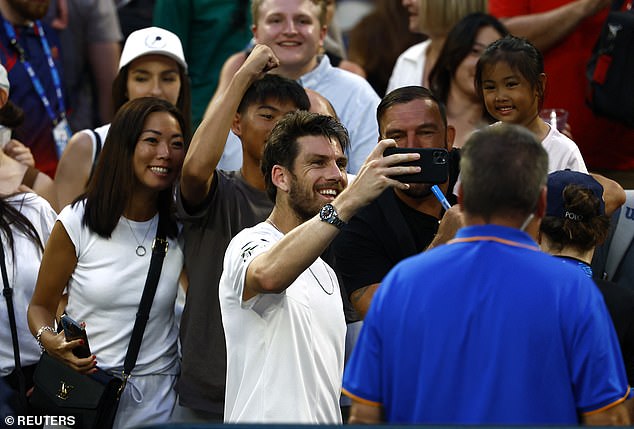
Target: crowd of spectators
[310, 278]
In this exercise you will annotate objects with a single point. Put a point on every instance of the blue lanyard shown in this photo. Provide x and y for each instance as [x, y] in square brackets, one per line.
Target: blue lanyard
[37, 84]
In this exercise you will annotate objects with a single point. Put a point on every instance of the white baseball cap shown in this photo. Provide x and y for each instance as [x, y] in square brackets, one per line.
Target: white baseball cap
[152, 40]
[4, 79]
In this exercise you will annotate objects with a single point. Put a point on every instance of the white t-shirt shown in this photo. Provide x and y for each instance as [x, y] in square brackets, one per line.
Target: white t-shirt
[103, 133]
[409, 66]
[105, 291]
[354, 101]
[285, 351]
[563, 153]
[22, 277]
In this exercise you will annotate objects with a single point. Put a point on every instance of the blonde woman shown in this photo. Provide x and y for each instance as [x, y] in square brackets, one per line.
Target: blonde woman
[434, 18]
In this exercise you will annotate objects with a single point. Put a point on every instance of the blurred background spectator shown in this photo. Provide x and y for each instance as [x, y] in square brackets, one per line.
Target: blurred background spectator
[434, 18]
[137, 14]
[386, 26]
[210, 31]
[90, 39]
[451, 78]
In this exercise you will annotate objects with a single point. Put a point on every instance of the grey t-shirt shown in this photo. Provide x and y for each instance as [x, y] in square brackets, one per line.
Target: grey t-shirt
[230, 207]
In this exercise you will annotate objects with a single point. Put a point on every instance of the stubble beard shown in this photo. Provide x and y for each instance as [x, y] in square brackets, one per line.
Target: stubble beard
[418, 190]
[302, 203]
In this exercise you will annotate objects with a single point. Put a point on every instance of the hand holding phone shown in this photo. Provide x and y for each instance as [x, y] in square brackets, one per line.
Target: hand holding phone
[74, 331]
[433, 163]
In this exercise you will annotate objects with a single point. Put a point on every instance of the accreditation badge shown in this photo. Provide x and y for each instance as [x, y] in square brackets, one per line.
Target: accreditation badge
[61, 135]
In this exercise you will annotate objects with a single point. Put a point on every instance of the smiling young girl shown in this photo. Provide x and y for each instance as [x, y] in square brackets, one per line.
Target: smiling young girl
[451, 79]
[510, 80]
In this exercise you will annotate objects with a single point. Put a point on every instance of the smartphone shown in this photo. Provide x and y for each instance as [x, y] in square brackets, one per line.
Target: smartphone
[433, 163]
[74, 331]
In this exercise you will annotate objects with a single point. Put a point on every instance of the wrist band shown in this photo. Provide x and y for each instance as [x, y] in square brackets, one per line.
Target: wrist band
[39, 333]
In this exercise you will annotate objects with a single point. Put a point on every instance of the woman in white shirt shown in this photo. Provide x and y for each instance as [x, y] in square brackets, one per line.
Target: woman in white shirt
[100, 251]
[26, 221]
[434, 18]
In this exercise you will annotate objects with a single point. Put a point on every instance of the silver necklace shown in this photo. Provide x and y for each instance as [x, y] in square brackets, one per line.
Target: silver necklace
[269, 221]
[332, 283]
[140, 248]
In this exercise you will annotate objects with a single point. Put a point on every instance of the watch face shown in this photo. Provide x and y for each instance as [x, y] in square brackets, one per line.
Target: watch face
[326, 212]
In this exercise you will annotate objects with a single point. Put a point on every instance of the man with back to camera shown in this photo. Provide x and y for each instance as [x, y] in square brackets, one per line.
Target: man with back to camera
[511, 337]
[281, 306]
[295, 31]
[400, 223]
[215, 205]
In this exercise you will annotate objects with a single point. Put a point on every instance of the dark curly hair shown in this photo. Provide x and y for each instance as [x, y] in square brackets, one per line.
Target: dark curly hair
[281, 147]
[585, 232]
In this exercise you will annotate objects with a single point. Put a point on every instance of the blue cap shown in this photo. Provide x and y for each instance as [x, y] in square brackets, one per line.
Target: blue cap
[558, 181]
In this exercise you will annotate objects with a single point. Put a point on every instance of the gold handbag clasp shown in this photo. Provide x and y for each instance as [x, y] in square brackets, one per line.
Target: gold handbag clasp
[64, 390]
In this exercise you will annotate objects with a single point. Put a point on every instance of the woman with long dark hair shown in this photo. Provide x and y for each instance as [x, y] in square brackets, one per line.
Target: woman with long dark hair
[152, 65]
[451, 78]
[100, 250]
[26, 221]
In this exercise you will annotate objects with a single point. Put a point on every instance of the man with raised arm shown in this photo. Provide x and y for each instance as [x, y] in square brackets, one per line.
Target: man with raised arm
[281, 306]
[215, 205]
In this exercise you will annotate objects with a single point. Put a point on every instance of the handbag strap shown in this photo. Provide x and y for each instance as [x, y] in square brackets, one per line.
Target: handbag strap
[159, 249]
[8, 295]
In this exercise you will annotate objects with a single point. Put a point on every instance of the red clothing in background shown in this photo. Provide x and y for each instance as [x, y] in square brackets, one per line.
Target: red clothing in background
[604, 144]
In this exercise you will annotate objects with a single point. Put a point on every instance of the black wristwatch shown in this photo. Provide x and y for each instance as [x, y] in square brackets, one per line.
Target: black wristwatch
[328, 213]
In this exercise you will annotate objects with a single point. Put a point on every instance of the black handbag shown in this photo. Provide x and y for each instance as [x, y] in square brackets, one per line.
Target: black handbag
[61, 391]
[92, 400]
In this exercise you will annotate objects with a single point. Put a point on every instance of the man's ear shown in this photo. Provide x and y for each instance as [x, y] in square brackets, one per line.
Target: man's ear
[281, 178]
[451, 136]
[235, 125]
[322, 35]
[459, 193]
[540, 211]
